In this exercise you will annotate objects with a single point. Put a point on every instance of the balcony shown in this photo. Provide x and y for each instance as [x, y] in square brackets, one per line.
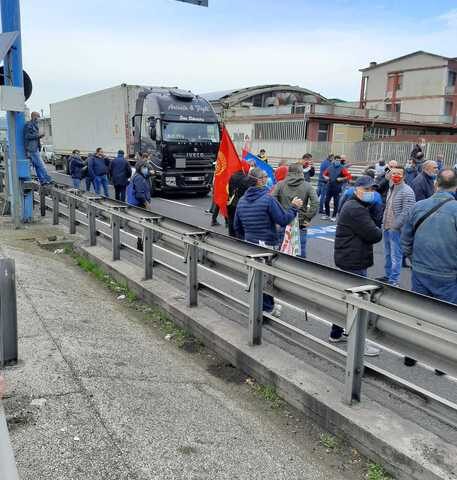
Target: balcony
[450, 90]
[326, 110]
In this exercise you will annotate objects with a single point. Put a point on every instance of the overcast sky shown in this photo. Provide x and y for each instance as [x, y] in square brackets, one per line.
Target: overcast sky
[75, 47]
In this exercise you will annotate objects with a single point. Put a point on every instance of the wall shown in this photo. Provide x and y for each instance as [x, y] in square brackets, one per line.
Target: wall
[347, 133]
[416, 83]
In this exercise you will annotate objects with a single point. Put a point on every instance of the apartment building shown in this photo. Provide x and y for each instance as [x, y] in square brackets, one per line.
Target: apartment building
[419, 83]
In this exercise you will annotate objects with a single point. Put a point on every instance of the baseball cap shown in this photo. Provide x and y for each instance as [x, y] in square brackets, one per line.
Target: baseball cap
[365, 181]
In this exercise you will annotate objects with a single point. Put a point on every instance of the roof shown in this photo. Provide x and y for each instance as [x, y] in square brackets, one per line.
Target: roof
[419, 52]
[236, 96]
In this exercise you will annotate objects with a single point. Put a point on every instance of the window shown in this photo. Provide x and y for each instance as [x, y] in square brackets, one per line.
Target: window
[391, 80]
[396, 109]
[376, 133]
[293, 130]
[322, 133]
[448, 107]
[451, 78]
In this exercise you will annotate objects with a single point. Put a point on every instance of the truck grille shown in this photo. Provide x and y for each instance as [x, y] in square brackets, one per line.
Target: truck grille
[204, 161]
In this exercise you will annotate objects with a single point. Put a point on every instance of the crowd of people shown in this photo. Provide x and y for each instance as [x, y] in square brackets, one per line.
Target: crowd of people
[412, 209]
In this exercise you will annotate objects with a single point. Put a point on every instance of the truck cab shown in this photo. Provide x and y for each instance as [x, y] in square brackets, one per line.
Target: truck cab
[181, 133]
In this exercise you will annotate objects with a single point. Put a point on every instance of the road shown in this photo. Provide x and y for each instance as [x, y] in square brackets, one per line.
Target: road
[321, 234]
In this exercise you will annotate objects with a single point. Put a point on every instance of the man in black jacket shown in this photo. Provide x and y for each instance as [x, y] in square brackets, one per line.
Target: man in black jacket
[356, 233]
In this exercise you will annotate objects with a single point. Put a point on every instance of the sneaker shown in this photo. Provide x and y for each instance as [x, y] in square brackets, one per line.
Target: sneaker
[277, 310]
[333, 219]
[343, 338]
[325, 217]
[371, 351]
[208, 212]
[382, 279]
[215, 224]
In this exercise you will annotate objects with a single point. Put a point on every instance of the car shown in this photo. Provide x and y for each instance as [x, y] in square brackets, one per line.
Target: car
[47, 153]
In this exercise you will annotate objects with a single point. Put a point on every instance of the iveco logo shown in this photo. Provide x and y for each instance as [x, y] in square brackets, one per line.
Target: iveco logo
[195, 155]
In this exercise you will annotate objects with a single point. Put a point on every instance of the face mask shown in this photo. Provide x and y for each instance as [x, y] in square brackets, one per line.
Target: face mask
[145, 171]
[396, 179]
[337, 164]
[368, 197]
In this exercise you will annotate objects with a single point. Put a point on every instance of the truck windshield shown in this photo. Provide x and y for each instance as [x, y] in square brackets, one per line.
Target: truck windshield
[190, 132]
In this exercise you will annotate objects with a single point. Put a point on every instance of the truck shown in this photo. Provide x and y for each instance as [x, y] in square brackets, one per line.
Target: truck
[178, 129]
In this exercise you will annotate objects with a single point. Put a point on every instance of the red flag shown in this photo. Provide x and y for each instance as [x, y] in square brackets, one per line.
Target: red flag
[228, 162]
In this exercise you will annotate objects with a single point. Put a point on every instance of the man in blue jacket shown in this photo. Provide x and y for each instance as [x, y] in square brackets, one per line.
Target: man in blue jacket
[430, 239]
[256, 217]
[98, 167]
[120, 172]
[76, 165]
[32, 147]
[321, 183]
[139, 189]
[424, 184]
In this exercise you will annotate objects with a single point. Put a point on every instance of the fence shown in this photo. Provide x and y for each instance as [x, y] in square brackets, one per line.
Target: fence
[363, 153]
[424, 327]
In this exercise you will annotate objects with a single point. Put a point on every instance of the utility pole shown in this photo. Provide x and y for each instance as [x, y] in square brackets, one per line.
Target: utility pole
[11, 22]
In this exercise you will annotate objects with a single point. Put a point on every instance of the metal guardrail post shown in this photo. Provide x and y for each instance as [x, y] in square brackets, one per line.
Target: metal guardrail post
[8, 312]
[147, 252]
[42, 201]
[72, 215]
[55, 208]
[255, 288]
[91, 215]
[116, 237]
[356, 327]
[192, 276]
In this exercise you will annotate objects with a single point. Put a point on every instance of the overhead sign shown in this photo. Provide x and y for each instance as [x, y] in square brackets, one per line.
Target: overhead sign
[201, 3]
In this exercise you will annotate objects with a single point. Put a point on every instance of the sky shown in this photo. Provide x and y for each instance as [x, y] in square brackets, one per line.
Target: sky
[75, 47]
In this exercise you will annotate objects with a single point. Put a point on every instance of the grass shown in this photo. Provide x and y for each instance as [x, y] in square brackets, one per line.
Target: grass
[376, 472]
[330, 442]
[268, 393]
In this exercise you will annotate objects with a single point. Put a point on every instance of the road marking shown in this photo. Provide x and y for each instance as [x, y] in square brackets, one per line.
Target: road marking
[178, 203]
[328, 239]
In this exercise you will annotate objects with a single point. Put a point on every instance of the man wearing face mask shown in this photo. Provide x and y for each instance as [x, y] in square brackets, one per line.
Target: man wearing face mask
[424, 184]
[356, 233]
[139, 189]
[335, 175]
[383, 181]
[308, 167]
[399, 203]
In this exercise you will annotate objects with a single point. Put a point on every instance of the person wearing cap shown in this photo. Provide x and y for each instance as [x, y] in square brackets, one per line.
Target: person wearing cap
[356, 233]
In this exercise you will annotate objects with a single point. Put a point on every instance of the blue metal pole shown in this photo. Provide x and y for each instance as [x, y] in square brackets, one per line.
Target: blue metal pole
[11, 21]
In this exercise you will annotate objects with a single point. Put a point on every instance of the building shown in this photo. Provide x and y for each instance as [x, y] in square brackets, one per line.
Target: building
[261, 96]
[419, 83]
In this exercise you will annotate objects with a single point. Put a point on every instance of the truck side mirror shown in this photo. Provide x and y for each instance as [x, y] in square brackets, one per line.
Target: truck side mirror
[152, 128]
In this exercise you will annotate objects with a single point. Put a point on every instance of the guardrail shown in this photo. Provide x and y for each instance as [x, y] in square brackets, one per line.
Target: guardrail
[423, 328]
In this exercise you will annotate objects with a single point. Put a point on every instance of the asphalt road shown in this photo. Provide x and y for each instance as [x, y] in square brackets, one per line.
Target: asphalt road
[321, 234]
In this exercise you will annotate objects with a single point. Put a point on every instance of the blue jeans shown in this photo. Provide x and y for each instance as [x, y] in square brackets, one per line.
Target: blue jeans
[89, 182]
[394, 256]
[322, 193]
[101, 181]
[40, 168]
[333, 191]
[76, 183]
[337, 331]
[437, 287]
